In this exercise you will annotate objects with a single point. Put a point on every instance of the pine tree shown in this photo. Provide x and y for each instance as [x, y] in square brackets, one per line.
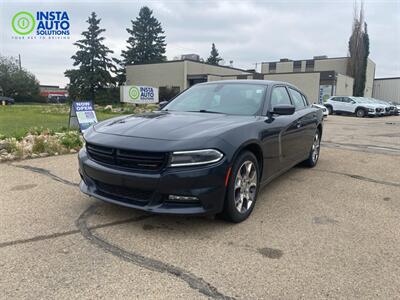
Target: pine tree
[146, 43]
[214, 58]
[93, 73]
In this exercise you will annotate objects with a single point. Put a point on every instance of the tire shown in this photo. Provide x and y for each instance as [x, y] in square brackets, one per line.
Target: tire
[313, 157]
[360, 113]
[246, 192]
[330, 109]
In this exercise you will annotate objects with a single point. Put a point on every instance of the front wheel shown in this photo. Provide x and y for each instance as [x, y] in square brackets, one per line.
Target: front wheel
[313, 157]
[360, 113]
[242, 188]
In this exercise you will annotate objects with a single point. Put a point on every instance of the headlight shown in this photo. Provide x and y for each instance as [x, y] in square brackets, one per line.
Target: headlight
[195, 157]
[371, 109]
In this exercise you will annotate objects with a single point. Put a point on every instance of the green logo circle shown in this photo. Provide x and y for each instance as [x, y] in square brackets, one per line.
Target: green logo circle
[134, 93]
[23, 23]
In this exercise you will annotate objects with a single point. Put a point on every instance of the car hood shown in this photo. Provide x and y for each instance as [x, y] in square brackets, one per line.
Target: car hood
[172, 125]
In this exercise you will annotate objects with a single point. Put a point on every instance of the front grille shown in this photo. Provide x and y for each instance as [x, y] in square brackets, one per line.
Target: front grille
[124, 193]
[379, 109]
[130, 159]
[387, 109]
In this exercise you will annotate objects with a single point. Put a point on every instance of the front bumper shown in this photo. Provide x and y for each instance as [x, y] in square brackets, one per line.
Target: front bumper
[150, 191]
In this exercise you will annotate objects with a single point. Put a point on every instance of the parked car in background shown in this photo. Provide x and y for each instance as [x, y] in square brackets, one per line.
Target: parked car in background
[57, 99]
[324, 109]
[208, 151]
[389, 108]
[6, 100]
[361, 107]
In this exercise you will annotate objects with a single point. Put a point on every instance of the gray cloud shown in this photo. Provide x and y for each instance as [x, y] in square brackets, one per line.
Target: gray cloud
[244, 31]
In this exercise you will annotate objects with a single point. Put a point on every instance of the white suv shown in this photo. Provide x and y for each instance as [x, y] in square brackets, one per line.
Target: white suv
[353, 105]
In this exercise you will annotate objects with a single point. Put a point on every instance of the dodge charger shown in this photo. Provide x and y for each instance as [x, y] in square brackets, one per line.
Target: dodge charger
[208, 151]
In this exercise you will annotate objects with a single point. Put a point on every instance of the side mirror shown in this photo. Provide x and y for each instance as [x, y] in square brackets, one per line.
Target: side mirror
[162, 104]
[284, 110]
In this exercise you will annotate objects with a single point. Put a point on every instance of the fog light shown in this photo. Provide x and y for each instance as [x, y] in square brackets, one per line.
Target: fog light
[182, 198]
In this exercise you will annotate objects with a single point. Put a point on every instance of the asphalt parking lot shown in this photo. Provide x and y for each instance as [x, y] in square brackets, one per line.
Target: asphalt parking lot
[328, 232]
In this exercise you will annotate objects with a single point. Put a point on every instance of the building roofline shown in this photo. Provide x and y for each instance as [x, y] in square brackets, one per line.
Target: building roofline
[312, 72]
[190, 60]
[292, 60]
[386, 78]
[49, 86]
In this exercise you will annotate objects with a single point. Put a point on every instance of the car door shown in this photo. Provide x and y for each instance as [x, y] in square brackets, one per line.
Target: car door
[348, 105]
[305, 125]
[279, 136]
[337, 104]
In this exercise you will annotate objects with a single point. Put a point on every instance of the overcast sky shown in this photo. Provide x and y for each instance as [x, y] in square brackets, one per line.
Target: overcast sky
[243, 31]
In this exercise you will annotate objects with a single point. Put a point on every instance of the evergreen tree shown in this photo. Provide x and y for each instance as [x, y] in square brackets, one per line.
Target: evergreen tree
[214, 58]
[93, 73]
[146, 43]
[359, 52]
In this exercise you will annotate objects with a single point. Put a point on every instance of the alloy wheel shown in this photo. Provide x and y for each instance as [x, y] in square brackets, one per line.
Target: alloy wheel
[245, 186]
[315, 148]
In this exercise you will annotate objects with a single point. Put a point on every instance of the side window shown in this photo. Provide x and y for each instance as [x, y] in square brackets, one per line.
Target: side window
[279, 96]
[305, 100]
[297, 99]
[346, 100]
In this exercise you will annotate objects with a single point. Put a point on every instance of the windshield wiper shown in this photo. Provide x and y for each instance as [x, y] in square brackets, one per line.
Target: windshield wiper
[206, 111]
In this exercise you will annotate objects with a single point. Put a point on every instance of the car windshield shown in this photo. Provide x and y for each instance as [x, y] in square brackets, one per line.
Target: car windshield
[225, 98]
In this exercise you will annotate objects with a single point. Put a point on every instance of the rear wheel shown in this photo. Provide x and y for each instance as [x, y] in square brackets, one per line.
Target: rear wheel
[360, 113]
[242, 189]
[313, 157]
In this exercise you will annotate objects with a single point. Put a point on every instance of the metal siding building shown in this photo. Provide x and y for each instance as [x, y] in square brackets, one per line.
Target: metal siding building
[387, 89]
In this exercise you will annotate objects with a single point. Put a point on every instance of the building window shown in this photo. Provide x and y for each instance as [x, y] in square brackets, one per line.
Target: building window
[310, 65]
[272, 67]
[297, 66]
[166, 93]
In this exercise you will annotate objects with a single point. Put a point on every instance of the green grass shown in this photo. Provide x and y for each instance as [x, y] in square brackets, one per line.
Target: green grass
[17, 120]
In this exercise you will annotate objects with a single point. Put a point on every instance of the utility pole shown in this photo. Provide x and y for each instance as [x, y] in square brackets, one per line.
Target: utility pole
[19, 62]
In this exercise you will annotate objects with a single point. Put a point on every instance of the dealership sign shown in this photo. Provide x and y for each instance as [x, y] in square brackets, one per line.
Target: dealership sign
[139, 94]
[41, 24]
[82, 114]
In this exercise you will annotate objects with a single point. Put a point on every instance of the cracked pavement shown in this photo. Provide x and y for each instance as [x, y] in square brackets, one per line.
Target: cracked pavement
[328, 232]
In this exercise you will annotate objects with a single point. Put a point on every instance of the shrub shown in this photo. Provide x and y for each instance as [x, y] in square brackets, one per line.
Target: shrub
[11, 145]
[39, 145]
[71, 140]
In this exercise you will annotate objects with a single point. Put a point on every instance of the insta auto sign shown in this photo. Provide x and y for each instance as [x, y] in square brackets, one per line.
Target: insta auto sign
[41, 25]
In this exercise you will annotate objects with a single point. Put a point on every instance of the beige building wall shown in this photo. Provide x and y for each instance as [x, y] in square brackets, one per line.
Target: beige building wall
[196, 68]
[284, 67]
[331, 64]
[218, 78]
[162, 74]
[387, 89]
[344, 85]
[264, 67]
[369, 78]
[306, 82]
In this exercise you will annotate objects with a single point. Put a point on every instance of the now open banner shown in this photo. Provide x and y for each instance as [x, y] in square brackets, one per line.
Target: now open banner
[139, 94]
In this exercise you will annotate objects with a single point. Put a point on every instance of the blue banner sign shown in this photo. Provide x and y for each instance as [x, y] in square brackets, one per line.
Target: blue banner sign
[84, 113]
